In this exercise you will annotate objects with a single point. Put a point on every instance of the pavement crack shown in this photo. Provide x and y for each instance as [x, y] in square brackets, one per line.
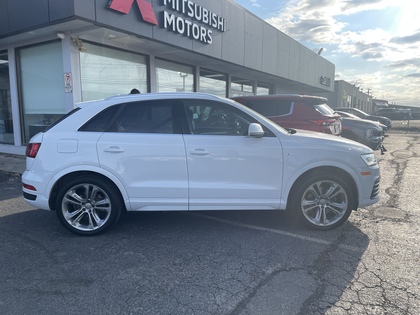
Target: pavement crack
[243, 304]
[321, 266]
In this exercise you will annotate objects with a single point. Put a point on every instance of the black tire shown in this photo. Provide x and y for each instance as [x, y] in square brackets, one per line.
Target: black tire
[322, 202]
[88, 205]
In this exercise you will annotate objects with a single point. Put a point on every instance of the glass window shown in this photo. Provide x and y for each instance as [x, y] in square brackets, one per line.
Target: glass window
[41, 87]
[102, 121]
[271, 107]
[323, 109]
[173, 77]
[6, 125]
[211, 118]
[263, 88]
[145, 117]
[212, 82]
[107, 72]
[241, 87]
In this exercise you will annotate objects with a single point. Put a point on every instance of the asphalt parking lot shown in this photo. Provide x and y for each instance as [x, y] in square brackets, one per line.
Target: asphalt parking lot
[220, 262]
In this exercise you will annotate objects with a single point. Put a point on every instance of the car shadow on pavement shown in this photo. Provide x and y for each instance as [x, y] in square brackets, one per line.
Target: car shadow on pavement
[163, 262]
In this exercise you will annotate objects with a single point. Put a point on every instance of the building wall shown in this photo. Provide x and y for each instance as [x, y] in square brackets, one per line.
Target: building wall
[348, 95]
[251, 55]
[246, 41]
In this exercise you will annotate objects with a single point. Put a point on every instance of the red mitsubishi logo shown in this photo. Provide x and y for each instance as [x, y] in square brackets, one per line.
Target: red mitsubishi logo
[145, 7]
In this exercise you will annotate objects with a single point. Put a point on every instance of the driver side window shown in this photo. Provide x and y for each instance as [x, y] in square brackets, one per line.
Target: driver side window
[212, 118]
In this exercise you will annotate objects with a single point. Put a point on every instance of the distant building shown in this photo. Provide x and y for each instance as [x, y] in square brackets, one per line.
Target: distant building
[379, 104]
[349, 95]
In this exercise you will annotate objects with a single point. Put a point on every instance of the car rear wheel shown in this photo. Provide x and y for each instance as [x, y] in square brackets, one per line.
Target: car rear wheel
[322, 202]
[88, 205]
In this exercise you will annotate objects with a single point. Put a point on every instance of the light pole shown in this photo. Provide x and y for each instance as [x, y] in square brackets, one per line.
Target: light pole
[183, 76]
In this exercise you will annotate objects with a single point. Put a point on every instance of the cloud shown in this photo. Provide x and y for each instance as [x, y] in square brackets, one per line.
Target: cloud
[369, 51]
[360, 5]
[404, 64]
[369, 55]
[254, 3]
[406, 39]
[308, 22]
[383, 56]
[413, 75]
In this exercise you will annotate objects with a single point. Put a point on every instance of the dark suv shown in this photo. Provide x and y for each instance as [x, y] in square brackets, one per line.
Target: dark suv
[295, 111]
[395, 113]
[361, 114]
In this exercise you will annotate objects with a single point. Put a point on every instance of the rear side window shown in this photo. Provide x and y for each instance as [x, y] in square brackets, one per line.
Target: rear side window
[145, 117]
[136, 117]
[270, 107]
[62, 118]
[102, 121]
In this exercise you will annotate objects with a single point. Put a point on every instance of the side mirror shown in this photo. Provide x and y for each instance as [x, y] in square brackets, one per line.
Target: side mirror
[255, 130]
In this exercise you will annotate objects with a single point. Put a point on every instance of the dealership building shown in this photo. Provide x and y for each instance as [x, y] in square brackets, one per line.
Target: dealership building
[55, 53]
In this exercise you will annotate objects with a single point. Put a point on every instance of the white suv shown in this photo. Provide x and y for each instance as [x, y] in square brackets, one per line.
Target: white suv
[191, 152]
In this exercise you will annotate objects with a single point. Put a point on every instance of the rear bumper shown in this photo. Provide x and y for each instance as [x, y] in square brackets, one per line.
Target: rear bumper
[35, 200]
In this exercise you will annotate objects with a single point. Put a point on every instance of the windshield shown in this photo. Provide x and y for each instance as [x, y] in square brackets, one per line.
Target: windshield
[324, 109]
[344, 114]
[262, 119]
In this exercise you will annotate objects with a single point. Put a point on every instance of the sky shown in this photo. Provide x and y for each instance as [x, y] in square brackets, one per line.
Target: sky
[374, 44]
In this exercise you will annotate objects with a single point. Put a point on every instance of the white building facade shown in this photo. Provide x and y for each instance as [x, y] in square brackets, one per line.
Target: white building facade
[56, 53]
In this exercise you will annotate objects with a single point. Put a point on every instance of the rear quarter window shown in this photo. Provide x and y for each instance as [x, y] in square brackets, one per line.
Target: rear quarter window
[62, 118]
[101, 121]
[270, 107]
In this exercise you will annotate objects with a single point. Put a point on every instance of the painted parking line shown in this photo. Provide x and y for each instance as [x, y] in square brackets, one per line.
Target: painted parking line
[289, 234]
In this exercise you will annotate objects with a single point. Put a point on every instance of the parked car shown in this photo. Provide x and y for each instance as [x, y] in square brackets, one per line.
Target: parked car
[361, 114]
[394, 113]
[295, 111]
[345, 114]
[191, 152]
[367, 132]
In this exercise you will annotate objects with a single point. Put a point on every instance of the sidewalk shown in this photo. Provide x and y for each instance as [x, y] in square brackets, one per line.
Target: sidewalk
[12, 164]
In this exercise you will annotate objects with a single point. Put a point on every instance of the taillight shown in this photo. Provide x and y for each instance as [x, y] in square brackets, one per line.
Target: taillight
[32, 149]
[323, 122]
[29, 187]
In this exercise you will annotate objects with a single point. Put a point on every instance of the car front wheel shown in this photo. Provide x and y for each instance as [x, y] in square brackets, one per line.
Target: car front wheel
[88, 205]
[322, 202]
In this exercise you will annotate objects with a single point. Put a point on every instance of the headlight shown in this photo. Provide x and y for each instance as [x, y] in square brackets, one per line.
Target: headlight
[369, 133]
[369, 159]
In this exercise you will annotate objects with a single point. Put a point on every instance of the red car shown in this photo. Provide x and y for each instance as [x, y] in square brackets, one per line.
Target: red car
[295, 111]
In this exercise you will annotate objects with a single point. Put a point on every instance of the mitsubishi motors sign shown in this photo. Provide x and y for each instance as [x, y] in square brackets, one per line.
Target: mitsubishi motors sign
[183, 17]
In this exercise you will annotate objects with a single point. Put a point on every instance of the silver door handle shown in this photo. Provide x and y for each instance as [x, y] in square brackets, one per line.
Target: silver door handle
[114, 149]
[200, 152]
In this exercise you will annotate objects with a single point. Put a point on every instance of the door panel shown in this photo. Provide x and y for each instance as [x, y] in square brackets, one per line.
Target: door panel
[228, 172]
[152, 168]
[145, 154]
[226, 168]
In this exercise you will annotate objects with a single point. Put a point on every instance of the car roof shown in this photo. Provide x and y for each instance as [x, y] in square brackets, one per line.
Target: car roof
[346, 114]
[282, 97]
[151, 96]
[349, 108]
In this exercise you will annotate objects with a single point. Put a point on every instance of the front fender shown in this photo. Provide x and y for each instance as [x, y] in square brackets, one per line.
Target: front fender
[293, 176]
